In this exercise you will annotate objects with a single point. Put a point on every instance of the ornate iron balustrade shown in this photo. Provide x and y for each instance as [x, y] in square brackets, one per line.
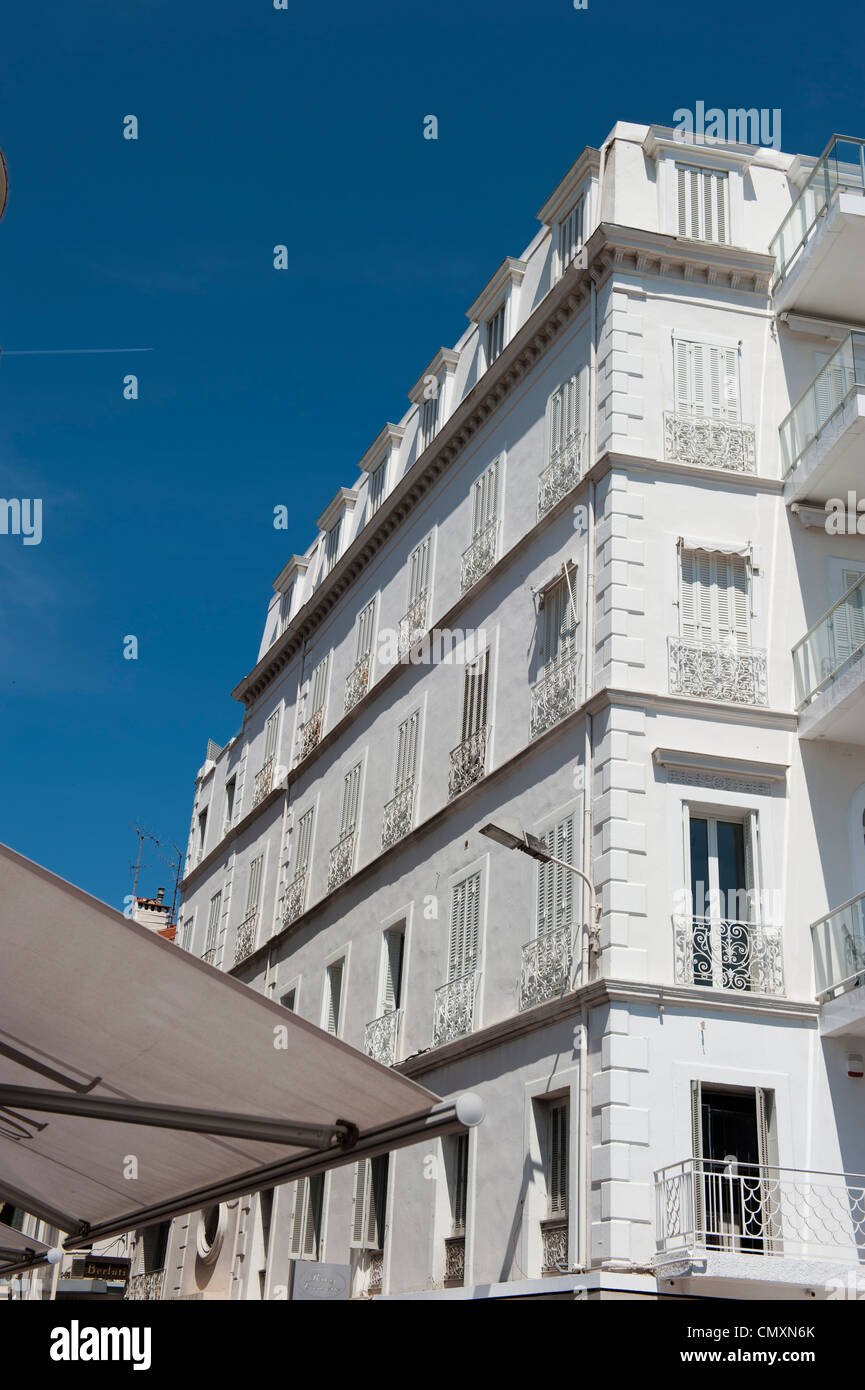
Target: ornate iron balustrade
[709, 443]
[560, 476]
[414, 623]
[738, 956]
[146, 1286]
[546, 967]
[704, 1204]
[554, 1239]
[357, 683]
[554, 694]
[341, 861]
[716, 671]
[263, 783]
[310, 732]
[294, 900]
[246, 933]
[376, 1272]
[480, 556]
[380, 1037]
[455, 1261]
[398, 814]
[210, 956]
[468, 762]
[454, 1008]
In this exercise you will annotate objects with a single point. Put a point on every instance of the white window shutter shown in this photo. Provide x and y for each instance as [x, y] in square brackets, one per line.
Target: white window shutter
[334, 996]
[393, 946]
[558, 1158]
[359, 1202]
[253, 887]
[271, 736]
[298, 1224]
[465, 925]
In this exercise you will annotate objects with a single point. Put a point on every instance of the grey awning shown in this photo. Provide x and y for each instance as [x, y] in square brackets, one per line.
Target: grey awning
[15, 1247]
[102, 1016]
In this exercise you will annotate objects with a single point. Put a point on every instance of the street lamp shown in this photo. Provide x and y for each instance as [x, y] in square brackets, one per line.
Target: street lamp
[512, 834]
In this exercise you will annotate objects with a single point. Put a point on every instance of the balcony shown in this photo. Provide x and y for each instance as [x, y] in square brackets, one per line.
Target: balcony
[341, 861]
[561, 475]
[718, 671]
[554, 1244]
[263, 783]
[554, 694]
[749, 1209]
[740, 957]
[829, 672]
[146, 1286]
[706, 442]
[838, 942]
[357, 683]
[380, 1038]
[480, 556]
[455, 1262]
[246, 934]
[468, 762]
[453, 1012]
[546, 967]
[294, 900]
[310, 732]
[413, 624]
[823, 437]
[820, 245]
[398, 815]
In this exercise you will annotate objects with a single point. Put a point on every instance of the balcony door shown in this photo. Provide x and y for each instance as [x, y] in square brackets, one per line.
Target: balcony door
[723, 859]
[734, 1188]
[847, 624]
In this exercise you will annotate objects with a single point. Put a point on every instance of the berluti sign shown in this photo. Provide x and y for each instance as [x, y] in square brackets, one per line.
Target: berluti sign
[103, 1267]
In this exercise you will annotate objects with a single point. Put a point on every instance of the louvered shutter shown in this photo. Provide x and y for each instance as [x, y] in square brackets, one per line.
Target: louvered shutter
[318, 686]
[394, 943]
[213, 922]
[334, 994]
[699, 1182]
[474, 697]
[732, 589]
[752, 865]
[701, 203]
[360, 1202]
[271, 736]
[332, 546]
[350, 796]
[312, 1223]
[555, 884]
[304, 840]
[298, 1223]
[683, 373]
[558, 1158]
[363, 643]
[460, 1183]
[253, 888]
[484, 500]
[375, 1217]
[418, 570]
[406, 752]
[847, 624]
[465, 919]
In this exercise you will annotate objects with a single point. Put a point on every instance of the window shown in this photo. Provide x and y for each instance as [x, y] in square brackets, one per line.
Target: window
[419, 570]
[485, 500]
[465, 920]
[702, 203]
[271, 736]
[570, 235]
[333, 996]
[732, 1133]
[350, 799]
[555, 884]
[370, 1203]
[377, 486]
[202, 834]
[186, 934]
[230, 790]
[475, 687]
[495, 335]
[285, 609]
[212, 928]
[429, 420]
[253, 887]
[306, 1220]
[289, 999]
[715, 604]
[558, 622]
[847, 626]
[331, 548]
[363, 632]
[394, 947]
[154, 1246]
[565, 414]
[723, 858]
[707, 380]
[406, 752]
[304, 842]
[458, 1181]
[557, 1158]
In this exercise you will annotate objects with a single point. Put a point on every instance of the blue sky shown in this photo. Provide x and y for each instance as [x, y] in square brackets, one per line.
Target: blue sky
[260, 127]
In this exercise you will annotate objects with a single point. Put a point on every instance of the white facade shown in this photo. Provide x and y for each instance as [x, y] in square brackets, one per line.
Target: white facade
[591, 489]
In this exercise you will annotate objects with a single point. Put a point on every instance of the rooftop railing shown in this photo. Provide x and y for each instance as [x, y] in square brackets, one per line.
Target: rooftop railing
[838, 940]
[826, 394]
[842, 166]
[831, 644]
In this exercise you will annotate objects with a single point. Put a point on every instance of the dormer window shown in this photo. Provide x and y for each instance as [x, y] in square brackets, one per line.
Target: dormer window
[376, 463]
[571, 234]
[495, 311]
[331, 548]
[430, 394]
[571, 211]
[285, 606]
[377, 486]
[429, 417]
[334, 522]
[702, 205]
[495, 327]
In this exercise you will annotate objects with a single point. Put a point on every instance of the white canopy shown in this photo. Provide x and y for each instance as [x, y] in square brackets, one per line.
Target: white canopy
[113, 1041]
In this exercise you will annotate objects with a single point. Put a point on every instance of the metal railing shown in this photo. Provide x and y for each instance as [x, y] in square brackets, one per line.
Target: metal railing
[554, 1244]
[380, 1037]
[294, 899]
[246, 933]
[750, 1208]
[546, 967]
[455, 1261]
[263, 782]
[838, 942]
[398, 813]
[841, 166]
[480, 556]
[826, 395]
[413, 624]
[554, 693]
[561, 474]
[830, 645]
[708, 442]
[467, 762]
[453, 1011]
[357, 683]
[146, 1286]
[310, 732]
[742, 957]
[718, 671]
[341, 861]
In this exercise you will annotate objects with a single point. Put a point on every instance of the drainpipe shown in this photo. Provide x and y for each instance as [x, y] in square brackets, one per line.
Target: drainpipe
[584, 1144]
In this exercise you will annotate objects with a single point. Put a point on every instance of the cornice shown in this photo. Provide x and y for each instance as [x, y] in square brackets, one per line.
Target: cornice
[446, 359]
[681, 760]
[510, 272]
[752, 715]
[344, 501]
[381, 446]
[298, 564]
[638, 251]
[588, 162]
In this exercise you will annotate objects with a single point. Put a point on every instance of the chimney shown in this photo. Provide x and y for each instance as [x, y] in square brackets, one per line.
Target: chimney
[160, 894]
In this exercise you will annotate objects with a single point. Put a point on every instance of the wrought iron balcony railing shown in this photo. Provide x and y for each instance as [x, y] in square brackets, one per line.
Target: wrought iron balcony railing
[357, 683]
[413, 624]
[480, 556]
[742, 957]
[546, 967]
[380, 1038]
[310, 732]
[751, 1208]
[708, 442]
[554, 694]
[830, 388]
[294, 899]
[832, 643]
[842, 166]
[838, 940]
[146, 1286]
[718, 671]
[263, 783]
[209, 957]
[341, 861]
[246, 933]
[561, 475]
[468, 762]
[453, 1013]
[398, 815]
[455, 1261]
[554, 1240]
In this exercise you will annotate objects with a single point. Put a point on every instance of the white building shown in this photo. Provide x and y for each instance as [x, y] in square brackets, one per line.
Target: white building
[612, 488]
